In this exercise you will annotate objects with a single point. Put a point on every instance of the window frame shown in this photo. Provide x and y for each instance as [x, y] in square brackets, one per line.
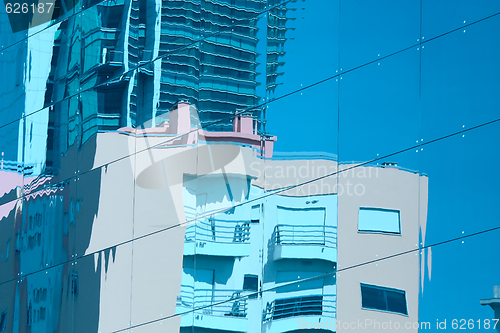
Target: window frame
[366, 231]
[248, 277]
[385, 290]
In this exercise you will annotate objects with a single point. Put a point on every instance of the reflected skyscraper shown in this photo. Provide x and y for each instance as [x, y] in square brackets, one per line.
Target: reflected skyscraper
[217, 166]
[278, 15]
[148, 55]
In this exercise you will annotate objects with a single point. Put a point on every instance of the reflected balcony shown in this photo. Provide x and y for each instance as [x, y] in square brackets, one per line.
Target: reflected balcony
[111, 57]
[305, 242]
[216, 237]
[107, 64]
[223, 310]
[290, 314]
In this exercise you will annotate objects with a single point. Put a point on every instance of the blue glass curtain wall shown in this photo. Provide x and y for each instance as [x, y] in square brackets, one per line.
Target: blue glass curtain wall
[249, 165]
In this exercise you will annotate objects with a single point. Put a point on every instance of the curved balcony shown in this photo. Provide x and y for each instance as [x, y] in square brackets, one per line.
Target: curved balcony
[218, 309]
[287, 314]
[218, 238]
[305, 242]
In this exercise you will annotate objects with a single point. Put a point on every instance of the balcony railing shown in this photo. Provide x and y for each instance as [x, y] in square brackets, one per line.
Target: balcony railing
[213, 302]
[219, 231]
[288, 234]
[311, 305]
[110, 55]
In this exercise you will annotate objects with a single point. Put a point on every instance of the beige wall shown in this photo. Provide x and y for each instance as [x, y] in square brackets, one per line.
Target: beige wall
[153, 274]
[388, 188]
[279, 174]
[140, 195]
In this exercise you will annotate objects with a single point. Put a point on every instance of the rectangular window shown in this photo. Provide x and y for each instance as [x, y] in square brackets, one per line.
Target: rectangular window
[29, 315]
[379, 220]
[3, 321]
[74, 285]
[301, 216]
[255, 214]
[383, 299]
[250, 282]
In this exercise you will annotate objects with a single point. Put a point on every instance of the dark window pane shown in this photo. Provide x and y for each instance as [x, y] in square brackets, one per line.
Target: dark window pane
[250, 282]
[3, 321]
[384, 299]
[396, 302]
[372, 298]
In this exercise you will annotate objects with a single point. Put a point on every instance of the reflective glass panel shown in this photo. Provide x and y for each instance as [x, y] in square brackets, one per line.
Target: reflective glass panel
[458, 81]
[379, 110]
[294, 31]
[440, 17]
[449, 210]
[11, 160]
[370, 30]
[50, 144]
[443, 302]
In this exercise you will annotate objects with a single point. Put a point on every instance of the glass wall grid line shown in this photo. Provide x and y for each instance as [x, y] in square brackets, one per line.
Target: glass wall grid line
[461, 238]
[161, 56]
[298, 90]
[420, 144]
[283, 190]
[326, 79]
[288, 284]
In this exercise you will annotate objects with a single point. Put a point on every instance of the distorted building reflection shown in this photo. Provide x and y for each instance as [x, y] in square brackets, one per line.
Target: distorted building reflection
[238, 262]
[138, 181]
